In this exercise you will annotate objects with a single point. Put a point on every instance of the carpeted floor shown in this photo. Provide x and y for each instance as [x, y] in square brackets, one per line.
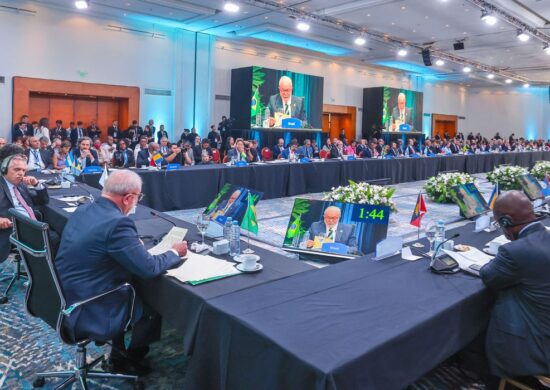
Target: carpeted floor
[28, 345]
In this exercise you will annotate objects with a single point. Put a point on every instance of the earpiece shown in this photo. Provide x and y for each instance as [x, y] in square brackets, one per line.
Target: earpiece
[505, 221]
[5, 164]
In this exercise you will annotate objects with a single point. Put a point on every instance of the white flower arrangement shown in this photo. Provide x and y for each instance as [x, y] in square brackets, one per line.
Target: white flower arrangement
[438, 187]
[507, 177]
[541, 169]
[362, 193]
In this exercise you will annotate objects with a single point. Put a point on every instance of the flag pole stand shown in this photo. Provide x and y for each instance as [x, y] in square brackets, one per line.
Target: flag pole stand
[248, 251]
[418, 244]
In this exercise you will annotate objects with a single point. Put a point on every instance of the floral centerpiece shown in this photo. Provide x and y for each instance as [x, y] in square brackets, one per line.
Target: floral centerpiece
[362, 193]
[541, 169]
[507, 177]
[438, 187]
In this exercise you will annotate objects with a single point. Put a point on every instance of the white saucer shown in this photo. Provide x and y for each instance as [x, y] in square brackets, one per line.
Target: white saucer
[259, 267]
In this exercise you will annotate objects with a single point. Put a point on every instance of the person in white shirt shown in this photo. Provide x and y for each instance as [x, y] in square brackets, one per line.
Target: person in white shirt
[141, 146]
[43, 130]
[108, 150]
[38, 158]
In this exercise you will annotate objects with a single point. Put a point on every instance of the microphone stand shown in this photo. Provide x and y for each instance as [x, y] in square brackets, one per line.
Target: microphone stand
[434, 257]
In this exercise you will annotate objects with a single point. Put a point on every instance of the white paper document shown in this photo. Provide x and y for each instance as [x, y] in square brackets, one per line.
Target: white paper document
[471, 257]
[69, 209]
[70, 198]
[500, 240]
[175, 235]
[199, 268]
[406, 254]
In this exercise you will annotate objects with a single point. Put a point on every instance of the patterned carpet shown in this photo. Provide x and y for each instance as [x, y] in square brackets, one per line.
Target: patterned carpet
[28, 345]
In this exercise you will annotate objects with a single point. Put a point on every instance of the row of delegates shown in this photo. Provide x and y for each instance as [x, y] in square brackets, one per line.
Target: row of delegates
[309, 149]
[243, 150]
[214, 137]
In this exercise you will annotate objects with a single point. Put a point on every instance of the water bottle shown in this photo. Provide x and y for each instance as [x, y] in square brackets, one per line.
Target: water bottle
[305, 239]
[235, 240]
[439, 235]
[227, 228]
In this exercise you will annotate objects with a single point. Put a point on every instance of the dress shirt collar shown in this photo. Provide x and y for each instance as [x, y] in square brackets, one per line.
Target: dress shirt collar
[532, 227]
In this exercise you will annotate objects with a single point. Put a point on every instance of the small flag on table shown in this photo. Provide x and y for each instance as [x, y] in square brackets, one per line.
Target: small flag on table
[494, 196]
[249, 221]
[419, 211]
[156, 159]
[546, 186]
[104, 176]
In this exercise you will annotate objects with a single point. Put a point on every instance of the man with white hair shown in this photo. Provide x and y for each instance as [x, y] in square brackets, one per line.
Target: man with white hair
[401, 114]
[285, 103]
[332, 230]
[101, 250]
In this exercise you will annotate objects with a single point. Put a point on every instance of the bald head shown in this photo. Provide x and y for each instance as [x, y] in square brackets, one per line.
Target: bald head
[517, 206]
[122, 182]
[285, 88]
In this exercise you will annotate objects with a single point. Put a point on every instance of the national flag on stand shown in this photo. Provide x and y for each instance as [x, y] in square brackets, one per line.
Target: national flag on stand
[104, 176]
[419, 211]
[546, 186]
[249, 221]
[156, 159]
[494, 196]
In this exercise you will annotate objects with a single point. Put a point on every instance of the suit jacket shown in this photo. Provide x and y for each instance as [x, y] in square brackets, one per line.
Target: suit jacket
[296, 106]
[335, 153]
[142, 158]
[345, 234]
[115, 133]
[119, 158]
[408, 116]
[46, 156]
[518, 336]
[454, 148]
[89, 161]
[304, 151]
[276, 151]
[32, 197]
[74, 135]
[17, 133]
[161, 134]
[99, 251]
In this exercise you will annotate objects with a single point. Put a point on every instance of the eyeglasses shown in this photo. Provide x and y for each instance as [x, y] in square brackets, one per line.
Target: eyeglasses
[140, 195]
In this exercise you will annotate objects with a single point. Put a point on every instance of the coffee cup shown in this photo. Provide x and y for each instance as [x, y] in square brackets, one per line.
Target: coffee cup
[249, 261]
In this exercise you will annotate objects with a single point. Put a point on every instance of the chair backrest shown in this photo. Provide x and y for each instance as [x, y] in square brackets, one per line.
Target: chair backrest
[267, 154]
[215, 155]
[45, 297]
[323, 154]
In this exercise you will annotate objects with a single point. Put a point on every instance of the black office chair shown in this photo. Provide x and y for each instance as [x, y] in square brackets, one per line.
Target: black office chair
[45, 300]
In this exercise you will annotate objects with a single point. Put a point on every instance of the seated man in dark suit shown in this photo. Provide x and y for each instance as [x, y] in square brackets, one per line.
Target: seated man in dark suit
[518, 337]
[278, 149]
[161, 134]
[84, 155]
[333, 231]
[410, 149]
[306, 150]
[144, 156]
[21, 129]
[175, 156]
[123, 157]
[114, 131]
[37, 158]
[15, 194]
[291, 152]
[78, 133]
[338, 151]
[100, 250]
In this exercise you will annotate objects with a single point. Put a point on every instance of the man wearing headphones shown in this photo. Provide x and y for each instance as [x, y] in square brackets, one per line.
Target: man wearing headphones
[14, 192]
[518, 337]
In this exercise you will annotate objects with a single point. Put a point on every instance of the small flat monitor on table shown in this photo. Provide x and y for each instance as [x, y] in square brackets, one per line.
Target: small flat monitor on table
[469, 200]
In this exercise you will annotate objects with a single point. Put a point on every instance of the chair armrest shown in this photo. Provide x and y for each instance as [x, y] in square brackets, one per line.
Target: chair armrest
[67, 311]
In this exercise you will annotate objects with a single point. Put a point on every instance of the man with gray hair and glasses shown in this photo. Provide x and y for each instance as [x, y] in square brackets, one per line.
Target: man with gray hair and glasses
[100, 250]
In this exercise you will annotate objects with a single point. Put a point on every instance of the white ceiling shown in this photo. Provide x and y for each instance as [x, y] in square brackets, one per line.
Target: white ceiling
[434, 23]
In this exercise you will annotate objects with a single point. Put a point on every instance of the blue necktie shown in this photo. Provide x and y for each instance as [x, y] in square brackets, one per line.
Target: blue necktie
[125, 158]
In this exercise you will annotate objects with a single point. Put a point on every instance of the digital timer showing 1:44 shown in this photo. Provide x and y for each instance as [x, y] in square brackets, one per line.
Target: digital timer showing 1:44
[371, 214]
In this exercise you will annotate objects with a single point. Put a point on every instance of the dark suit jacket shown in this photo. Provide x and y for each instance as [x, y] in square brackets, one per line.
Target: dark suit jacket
[119, 158]
[32, 197]
[99, 251]
[89, 161]
[45, 154]
[114, 133]
[16, 132]
[276, 151]
[296, 106]
[408, 116]
[335, 153]
[344, 235]
[74, 135]
[518, 337]
[161, 134]
[142, 158]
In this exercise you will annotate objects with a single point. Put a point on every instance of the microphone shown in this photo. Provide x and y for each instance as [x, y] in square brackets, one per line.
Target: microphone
[90, 197]
[155, 214]
[432, 262]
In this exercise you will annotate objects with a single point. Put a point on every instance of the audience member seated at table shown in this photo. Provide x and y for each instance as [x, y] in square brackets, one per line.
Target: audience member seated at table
[351, 149]
[84, 155]
[21, 129]
[37, 158]
[108, 149]
[400, 147]
[164, 146]
[393, 150]
[361, 146]
[380, 146]
[436, 147]
[251, 148]
[142, 145]
[188, 156]
[15, 194]
[333, 231]
[315, 148]
[305, 150]
[123, 157]
[338, 150]
[93, 130]
[59, 158]
[47, 145]
[229, 144]
[43, 130]
[205, 159]
[78, 133]
[327, 147]
[278, 148]
[238, 153]
[144, 156]
[473, 149]
[58, 131]
[370, 151]
[202, 147]
[517, 339]
[290, 153]
[174, 156]
[427, 148]
[454, 146]
[100, 250]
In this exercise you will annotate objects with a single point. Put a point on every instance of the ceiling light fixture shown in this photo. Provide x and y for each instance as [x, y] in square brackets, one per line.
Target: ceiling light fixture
[440, 62]
[360, 40]
[303, 26]
[522, 36]
[546, 49]
[490, 76]
[230, 6]
[508, 81]
[466, 69]
[81, 4]
[526, 85]
[488, 18]
[402, 52]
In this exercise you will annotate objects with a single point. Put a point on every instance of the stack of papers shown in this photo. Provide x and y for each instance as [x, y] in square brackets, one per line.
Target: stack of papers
[175, 235]
[471, 257]
[500, 240]
[199, 269]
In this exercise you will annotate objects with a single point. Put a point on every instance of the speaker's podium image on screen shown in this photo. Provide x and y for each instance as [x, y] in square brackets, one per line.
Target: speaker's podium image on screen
[333, 231]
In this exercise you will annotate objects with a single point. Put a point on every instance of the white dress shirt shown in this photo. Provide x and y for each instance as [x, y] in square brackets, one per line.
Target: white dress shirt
[35, 160]
[16, 204]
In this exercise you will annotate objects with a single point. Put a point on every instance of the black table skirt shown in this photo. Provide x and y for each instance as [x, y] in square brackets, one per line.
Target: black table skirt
[194, 187]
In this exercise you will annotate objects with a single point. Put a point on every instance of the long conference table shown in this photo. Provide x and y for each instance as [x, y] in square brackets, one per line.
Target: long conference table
[357, 324]
[196, 186]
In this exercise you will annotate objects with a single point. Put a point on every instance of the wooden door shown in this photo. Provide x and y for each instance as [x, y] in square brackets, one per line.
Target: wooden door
[107, 112]
[62, 108]
[39, 107]
[85, 109]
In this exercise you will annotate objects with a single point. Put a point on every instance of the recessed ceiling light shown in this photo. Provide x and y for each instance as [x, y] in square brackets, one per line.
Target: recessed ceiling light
[546, 49]
[508, 81]
[402, 52]
[488, 18]
[81, 4]
[303, 26]
[466, 69]
[230, 6]
[440, 62]
[490, 76]
[360, 40]
[522, 36]
[526, 85]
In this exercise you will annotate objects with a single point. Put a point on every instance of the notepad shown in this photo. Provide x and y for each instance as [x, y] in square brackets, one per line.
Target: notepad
[175, 235]
[198, 269]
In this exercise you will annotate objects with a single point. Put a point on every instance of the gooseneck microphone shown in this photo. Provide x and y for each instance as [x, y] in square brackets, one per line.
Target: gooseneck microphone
[438, 265]
[154, 213]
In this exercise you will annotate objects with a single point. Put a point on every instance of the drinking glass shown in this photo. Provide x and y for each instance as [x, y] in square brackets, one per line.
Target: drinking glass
[430, 234]
[202, 223]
